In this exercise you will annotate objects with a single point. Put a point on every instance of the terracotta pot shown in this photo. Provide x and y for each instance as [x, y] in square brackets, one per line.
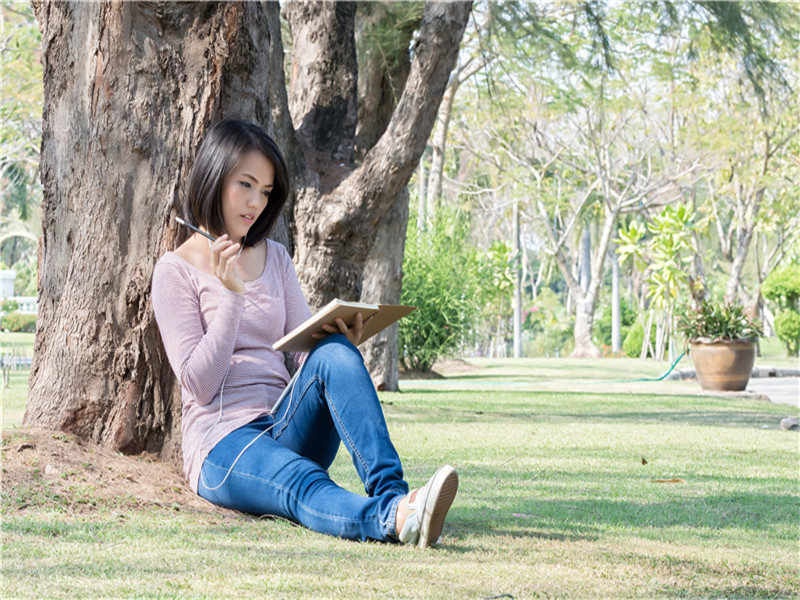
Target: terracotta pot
[723, 365]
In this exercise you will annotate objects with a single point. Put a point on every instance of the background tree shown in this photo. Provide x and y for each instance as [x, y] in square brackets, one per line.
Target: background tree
[20, 139]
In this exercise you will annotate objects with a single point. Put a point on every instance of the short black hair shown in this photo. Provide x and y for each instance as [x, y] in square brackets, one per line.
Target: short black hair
[223, 146]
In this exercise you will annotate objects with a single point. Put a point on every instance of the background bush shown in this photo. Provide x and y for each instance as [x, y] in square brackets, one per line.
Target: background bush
[782, 286]
[440, 278]
[547, 330]
[602, 323]
[632, 346]
[19, 322]
[787, 327]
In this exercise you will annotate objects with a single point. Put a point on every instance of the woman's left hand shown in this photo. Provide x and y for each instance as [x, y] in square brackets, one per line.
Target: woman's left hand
[353, 334]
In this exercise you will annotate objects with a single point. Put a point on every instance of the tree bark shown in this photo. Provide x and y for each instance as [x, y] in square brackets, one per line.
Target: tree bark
[337, 224]
[382, 76]
[517, 286]
[616, 338]
[383, 276]
[743, 238]
[130, 89]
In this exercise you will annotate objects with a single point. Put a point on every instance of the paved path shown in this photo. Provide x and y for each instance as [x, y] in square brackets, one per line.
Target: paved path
[781, 390]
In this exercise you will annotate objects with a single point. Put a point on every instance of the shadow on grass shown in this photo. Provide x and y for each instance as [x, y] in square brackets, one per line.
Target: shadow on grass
[540, 407]
[601, 501]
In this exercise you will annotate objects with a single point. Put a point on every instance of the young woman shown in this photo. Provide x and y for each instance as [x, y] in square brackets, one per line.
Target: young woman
[220, 306]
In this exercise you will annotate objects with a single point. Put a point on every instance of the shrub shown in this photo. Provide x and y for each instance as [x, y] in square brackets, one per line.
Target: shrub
[602, 325]
[547, 330]
[632, 345]
[787, 326]
[8, 306]
[19, 322]
[783, 287]
[439, 278]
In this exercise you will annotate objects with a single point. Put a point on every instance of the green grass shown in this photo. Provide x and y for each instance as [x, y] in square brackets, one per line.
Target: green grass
[22, 340]
[14, 398]
[554, 501]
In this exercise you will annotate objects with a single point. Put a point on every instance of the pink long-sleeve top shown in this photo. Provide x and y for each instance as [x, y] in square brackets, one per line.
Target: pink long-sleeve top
[213, 334]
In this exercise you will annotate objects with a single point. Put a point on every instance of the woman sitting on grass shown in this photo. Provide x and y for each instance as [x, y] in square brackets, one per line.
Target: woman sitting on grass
[220, 306]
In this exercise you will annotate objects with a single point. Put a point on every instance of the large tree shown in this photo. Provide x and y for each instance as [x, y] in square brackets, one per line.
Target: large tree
[130, 89]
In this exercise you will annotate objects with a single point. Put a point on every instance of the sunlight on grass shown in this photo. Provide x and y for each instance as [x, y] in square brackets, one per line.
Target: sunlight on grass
[555, 500]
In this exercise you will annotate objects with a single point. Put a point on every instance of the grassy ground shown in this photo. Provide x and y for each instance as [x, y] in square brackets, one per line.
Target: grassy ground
[560, 497]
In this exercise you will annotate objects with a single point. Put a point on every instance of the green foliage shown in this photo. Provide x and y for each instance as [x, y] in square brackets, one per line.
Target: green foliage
[18, 322]
[787, 326]
[26, 280]
[8, 306]
[602, 323]
[20, 135]
[718, 321]
[547, 330]
[632, 345]
[783, 287]
[440, 278]
[496, 277]
[663, 255]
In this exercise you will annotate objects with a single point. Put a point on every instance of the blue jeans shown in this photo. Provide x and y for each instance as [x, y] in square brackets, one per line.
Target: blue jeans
[284, 473]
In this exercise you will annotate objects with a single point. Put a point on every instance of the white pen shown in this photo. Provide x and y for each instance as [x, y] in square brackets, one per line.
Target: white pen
[182, 222]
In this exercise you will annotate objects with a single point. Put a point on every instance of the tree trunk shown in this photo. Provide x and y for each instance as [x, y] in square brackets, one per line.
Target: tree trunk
[438, 142]
[130, 89]
[586, 301]
[584, 319]
[383, 276]
[517, 286]
[616, 339]
[586, 258]
[745, 235]
[383, 74]
[336, 226]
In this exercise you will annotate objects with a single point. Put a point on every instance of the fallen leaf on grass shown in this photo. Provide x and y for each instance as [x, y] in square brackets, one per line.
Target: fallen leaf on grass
[681, 481]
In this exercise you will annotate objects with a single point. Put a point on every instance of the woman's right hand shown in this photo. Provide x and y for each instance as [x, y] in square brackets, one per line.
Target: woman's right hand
[225, 263]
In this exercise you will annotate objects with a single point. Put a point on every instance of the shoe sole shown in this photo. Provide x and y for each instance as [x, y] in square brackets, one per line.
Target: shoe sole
[444, 485]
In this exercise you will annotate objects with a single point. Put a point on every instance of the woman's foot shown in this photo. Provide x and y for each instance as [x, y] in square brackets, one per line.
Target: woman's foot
[420, 515]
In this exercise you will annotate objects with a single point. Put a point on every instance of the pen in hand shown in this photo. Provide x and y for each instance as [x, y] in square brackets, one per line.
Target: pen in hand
[192, 227]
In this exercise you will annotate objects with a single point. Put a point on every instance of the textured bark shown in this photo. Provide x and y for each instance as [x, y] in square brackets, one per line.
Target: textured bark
[382, 77]
[336, 227]
[322, 90]
[383, 276]
[129, 91]
[382, 73]
[616, 341]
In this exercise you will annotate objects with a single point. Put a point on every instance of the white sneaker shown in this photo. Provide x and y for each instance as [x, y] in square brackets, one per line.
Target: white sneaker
[428, 507]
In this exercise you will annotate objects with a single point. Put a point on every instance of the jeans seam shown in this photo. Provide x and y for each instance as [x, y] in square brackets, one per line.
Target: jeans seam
[350, 443]
[288, 417]
[293, 496]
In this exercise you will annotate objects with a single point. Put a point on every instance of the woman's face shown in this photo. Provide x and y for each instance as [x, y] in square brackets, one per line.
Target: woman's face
[245, 193]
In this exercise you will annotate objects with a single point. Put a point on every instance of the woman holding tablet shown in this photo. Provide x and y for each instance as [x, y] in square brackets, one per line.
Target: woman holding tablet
[220, 306]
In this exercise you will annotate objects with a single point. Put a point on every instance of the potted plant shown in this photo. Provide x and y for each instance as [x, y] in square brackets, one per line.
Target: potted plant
[723, 345]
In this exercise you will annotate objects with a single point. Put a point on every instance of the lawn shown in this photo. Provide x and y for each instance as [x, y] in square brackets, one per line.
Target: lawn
[561, 496]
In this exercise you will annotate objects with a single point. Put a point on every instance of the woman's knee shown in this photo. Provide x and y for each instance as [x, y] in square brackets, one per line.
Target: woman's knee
[336, 350]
